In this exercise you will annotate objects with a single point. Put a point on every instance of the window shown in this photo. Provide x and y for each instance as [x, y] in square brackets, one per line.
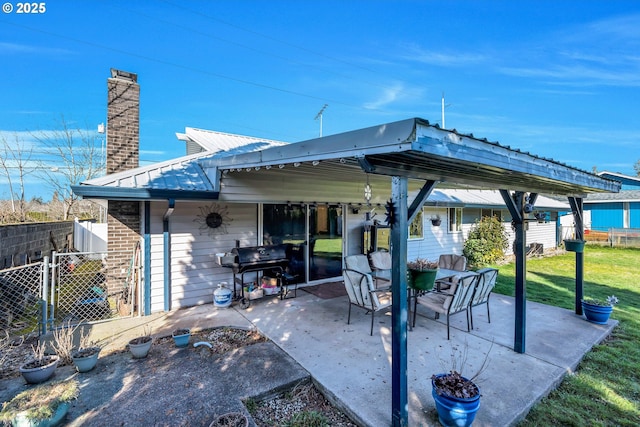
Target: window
[416, 228]
[455, 220]
[491, 213]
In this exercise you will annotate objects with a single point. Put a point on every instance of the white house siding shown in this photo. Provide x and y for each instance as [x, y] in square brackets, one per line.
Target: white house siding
[437, 239]
[194, 268]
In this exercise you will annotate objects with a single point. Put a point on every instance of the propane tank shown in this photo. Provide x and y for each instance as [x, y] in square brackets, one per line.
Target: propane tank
[222, 296]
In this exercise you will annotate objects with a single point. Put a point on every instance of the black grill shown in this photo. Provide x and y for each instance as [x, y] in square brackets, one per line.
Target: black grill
[258, 258]
[271, 260]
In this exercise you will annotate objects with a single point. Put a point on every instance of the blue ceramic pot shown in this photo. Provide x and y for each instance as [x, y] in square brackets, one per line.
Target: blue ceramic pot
[597, 313]
[182, 339]
[454, 411]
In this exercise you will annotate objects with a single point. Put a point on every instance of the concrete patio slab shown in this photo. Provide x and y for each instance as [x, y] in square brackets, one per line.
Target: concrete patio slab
[354, 368]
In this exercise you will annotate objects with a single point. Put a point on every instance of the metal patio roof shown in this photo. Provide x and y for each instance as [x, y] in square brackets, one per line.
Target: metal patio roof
[415, 149]
[411, 148]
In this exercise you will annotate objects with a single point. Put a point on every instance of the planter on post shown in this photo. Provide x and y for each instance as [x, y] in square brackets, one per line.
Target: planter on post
[574, 245]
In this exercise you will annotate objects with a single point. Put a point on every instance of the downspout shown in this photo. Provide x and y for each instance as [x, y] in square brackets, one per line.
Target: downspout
[147, 258]
[167, 254]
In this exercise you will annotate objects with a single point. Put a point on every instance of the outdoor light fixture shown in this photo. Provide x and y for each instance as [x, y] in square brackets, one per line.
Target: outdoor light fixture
[280, 166]
[315, 162]
[296, 164]
[267, 167]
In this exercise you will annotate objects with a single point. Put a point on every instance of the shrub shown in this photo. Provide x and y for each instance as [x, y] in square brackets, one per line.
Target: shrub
[486, 243]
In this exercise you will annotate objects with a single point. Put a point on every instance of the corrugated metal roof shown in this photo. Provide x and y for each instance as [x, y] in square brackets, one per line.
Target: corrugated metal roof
[182, 174]
[416, 149]
[622, 196]
[485, 198]
[213, 141]
[411, 148]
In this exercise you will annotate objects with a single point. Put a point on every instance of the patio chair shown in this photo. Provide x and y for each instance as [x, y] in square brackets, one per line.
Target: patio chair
[450, 262]
[455, 300]
[360, 286]
[486, 283]
[380, 262]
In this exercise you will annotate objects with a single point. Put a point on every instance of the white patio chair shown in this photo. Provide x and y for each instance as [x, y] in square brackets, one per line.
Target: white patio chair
[455, 300]
[360, 286]
[380, 262]
[486, 283]
[451, 262]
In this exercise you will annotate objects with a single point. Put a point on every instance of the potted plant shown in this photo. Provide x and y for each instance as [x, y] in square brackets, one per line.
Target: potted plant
[43, 405]
[140, 346]
[422, 274]
[436, 221]
[231, 419]
[573, 245]
[457, 397]
[181, 337]
[598, 311]
[41, 367]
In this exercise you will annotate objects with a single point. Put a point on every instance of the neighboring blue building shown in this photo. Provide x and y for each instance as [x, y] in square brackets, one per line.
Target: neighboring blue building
[615, 210]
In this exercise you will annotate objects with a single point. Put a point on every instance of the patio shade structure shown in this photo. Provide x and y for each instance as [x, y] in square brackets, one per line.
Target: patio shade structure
[404, 156]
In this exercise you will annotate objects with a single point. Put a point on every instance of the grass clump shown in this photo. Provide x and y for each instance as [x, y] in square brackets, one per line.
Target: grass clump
[40, 402]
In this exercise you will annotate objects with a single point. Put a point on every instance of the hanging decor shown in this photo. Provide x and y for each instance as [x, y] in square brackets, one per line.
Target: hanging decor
[367, 192]
[213, 219]
[391, 213]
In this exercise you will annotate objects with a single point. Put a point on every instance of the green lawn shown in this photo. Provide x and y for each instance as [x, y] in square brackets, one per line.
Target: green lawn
[605, 390]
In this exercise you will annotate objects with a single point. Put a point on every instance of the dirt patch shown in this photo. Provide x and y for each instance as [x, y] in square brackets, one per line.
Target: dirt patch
[117, 389]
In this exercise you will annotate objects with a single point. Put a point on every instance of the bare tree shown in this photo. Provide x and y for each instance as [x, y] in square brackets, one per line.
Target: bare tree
[15, 164]
[78, 151]
[636, 167]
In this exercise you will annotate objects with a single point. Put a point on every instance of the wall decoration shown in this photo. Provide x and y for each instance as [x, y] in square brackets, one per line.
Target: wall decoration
[213, 219]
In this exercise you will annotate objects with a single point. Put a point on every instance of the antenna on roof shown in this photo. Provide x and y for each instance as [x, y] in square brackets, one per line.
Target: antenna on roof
[319, 116]
[443, 106]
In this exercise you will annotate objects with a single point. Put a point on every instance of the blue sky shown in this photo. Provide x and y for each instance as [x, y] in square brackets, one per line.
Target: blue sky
[560, 79]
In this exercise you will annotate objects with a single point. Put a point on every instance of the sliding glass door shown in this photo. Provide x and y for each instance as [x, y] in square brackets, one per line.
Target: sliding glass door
[316, 244]
[325, 242]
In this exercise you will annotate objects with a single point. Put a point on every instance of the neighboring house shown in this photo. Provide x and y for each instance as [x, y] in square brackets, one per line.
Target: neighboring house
[615, 210]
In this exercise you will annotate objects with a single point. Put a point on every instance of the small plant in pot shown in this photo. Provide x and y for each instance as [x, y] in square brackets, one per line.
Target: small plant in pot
[42, 405]
[457, 397]
[422, 273]
[85, 357]
[181, 337]
[140, 346]
[41, 367]
[598, 310]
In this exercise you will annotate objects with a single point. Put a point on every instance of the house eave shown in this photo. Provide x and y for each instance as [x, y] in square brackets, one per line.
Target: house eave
[140, 194]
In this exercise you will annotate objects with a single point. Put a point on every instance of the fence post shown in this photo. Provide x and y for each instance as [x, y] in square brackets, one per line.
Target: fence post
[45, 295]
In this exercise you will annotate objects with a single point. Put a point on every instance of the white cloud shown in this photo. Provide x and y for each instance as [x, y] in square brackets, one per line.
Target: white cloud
[16, 48]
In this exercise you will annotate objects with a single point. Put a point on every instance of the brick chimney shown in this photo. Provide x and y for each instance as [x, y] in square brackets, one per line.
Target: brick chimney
[123, 121]
[123, 143]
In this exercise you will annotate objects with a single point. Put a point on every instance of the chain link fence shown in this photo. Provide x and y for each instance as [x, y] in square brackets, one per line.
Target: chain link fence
[85, 290]
[21, 298]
